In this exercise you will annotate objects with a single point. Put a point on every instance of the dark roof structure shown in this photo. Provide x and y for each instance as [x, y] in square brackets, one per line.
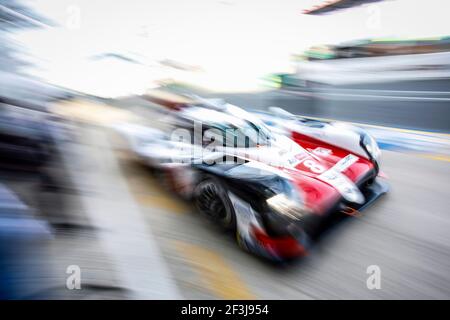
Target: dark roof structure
[330, 6]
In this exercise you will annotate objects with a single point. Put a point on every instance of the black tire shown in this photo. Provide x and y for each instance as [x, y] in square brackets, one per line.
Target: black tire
[211, 199]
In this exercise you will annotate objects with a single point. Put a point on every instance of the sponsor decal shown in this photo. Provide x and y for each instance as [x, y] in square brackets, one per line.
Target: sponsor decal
[322, 151]
[345, 162]
[343, 185]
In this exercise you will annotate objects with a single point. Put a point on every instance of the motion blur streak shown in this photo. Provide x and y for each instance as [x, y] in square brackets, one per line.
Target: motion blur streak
[92, 178]
[125, 239]
[146, 189]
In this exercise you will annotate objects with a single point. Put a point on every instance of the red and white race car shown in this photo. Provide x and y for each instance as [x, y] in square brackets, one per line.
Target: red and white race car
[271, 177]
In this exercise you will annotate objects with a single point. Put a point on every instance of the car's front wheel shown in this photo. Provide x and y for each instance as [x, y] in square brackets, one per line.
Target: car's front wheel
[211, 199]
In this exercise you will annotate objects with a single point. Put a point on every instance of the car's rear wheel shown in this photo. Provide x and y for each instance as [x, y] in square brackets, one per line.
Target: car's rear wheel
[211, 199]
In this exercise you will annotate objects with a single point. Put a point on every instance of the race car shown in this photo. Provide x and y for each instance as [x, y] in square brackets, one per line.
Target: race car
[271, 177]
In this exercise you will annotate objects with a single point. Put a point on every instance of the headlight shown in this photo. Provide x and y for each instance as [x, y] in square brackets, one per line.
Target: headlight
[287, 207]
[371, 146]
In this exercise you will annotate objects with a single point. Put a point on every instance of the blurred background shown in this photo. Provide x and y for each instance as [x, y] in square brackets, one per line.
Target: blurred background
[72, 198]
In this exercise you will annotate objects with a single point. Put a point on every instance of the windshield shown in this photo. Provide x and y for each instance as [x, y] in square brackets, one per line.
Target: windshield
[248, 135]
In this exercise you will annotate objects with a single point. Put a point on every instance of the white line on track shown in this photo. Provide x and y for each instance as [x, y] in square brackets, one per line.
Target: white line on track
[320, 94]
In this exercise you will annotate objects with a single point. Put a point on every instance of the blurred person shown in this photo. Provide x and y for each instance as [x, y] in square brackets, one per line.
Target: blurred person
[21, 239]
